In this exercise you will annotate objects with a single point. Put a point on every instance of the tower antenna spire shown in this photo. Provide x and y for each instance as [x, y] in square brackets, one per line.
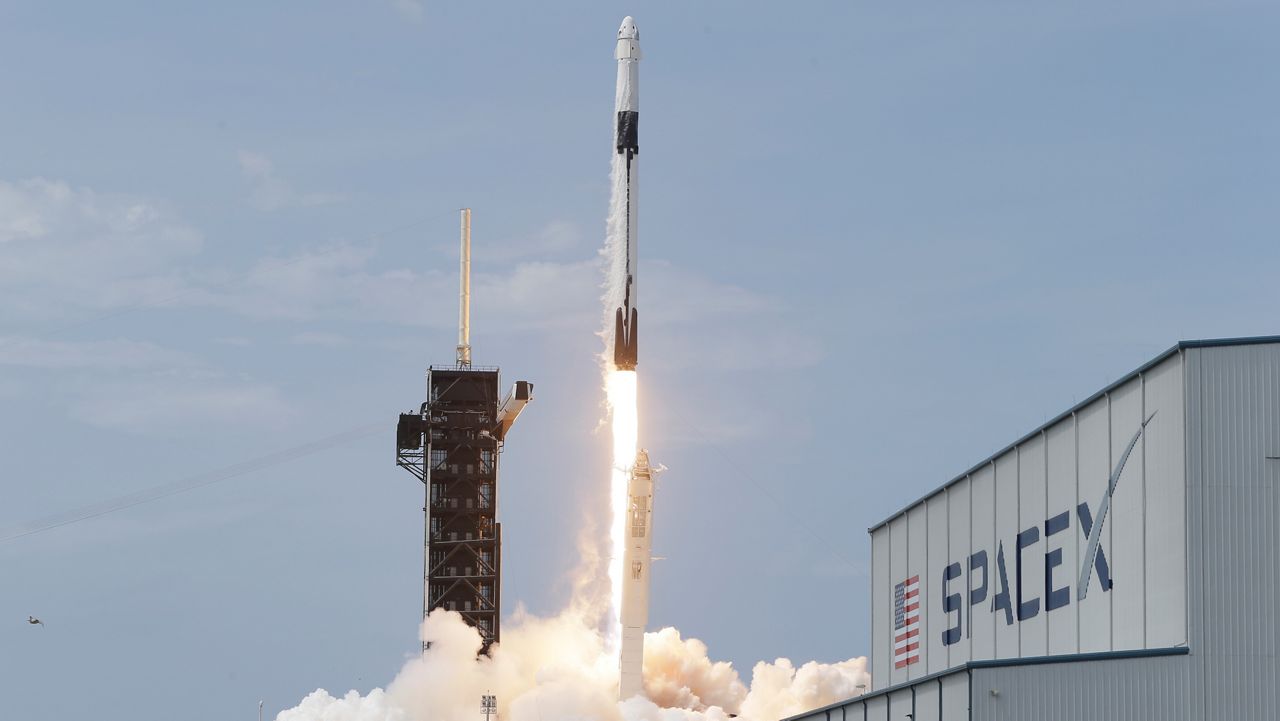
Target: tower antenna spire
[464, 293]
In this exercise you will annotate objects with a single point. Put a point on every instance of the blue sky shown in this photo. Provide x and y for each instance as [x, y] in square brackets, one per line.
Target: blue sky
[879, 242]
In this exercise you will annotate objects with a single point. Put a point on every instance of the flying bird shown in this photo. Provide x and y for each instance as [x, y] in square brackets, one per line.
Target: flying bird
[33, 621]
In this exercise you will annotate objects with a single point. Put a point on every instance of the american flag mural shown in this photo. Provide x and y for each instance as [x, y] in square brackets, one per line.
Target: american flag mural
[906, 622]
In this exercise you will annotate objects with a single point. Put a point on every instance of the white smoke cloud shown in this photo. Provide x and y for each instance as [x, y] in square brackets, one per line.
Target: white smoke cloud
[679, 674]
[558, 668]
[320, 706]
[779, 689]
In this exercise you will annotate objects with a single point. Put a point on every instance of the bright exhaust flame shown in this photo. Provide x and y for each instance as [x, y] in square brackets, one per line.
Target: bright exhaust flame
[620, 387]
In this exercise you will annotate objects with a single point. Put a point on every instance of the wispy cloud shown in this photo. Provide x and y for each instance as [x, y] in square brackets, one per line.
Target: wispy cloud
[556, 238]
[109, 354]
[345, 282]
[411, 10]
[318, 338]
[181, 403]
[269, 191]
[71, 248]
[686, 296]
[64, 248]
[141, 387]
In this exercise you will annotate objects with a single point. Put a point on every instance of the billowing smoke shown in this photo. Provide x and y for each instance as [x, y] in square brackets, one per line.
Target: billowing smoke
[558, 668]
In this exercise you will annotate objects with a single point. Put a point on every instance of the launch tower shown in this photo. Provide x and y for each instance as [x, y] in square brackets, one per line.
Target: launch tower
[452, 446]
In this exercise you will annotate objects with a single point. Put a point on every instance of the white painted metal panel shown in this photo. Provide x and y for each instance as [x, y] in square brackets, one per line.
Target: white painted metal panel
[1003, 586]
[900, 704]
[1061, 565]
[955, 697]
[1094, 463]
[1124, 522]
[898, 535]
[980, 581]
[1027, 552]
[1165, 520]
[881, 610]
[928, 700]
[878, 708]
[935, 623]
[851, 712]
[958, 512]
[917, 563]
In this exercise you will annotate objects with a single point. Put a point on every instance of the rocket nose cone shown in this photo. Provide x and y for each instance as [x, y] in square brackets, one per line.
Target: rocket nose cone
[628, 31]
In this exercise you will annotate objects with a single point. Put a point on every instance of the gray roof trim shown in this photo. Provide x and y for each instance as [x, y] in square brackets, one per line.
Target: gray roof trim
[1002, 663]
[1181, 345]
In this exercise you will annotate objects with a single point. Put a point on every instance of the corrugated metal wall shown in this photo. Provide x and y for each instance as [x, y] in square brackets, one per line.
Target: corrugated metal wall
[1234, 398]
[1015, 530]
[1150, 688]
[1139, 689]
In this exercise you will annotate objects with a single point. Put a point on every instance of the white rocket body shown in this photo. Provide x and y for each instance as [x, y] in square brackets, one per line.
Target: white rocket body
[635, 577]
[627, 143]
[634, 606]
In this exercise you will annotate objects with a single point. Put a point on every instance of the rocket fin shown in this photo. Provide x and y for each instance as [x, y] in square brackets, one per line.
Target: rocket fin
[633, 338]
[619, 340]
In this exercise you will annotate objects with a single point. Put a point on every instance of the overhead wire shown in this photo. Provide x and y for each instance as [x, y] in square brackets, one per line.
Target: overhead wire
[184, 485]
[136, 498]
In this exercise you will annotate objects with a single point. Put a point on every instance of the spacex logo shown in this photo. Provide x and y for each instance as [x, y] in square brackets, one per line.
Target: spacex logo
[1095, 534]
[1013, 600]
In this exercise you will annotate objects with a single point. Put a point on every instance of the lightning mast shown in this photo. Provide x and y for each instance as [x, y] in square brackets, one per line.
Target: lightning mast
[464, 293]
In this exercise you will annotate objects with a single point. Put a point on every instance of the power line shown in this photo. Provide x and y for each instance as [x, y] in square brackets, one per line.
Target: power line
[191, 483]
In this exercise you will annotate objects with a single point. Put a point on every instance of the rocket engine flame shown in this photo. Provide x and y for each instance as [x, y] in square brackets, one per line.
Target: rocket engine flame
[620, 389]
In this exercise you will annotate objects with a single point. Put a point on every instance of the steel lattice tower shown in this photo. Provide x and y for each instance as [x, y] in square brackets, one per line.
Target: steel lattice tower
[452, 446]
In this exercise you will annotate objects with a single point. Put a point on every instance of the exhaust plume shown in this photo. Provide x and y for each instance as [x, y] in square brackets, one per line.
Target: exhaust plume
[557, 668]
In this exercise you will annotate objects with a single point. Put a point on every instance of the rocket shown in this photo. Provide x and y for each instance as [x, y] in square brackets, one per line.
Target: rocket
[637, 524]
[635, 577]
[627, 140]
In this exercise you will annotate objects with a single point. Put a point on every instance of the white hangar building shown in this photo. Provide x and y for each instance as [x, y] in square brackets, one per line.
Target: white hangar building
[1121, 562]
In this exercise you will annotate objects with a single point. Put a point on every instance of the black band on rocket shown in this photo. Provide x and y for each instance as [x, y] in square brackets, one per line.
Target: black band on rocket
[629, 131]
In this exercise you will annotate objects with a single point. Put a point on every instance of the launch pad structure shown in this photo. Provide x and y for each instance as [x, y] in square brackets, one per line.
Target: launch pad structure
[452, 444]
